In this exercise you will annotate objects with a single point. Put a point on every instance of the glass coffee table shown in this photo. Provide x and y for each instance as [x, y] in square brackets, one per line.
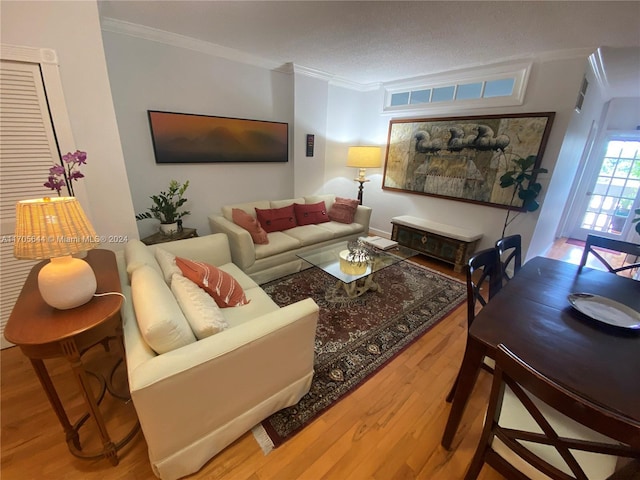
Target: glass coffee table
[355, 270]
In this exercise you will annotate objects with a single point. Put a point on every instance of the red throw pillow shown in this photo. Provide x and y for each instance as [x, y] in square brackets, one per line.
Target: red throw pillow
[250, 224]
[343, 210]
[277, 219]
[307, 214]
[224, 289]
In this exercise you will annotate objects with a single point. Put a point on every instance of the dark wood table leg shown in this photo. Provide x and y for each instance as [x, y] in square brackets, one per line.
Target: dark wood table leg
[73, 357]
[471, 364]
[45, 380]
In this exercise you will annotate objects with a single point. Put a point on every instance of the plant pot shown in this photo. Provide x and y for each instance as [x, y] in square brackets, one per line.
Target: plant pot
[169, 228]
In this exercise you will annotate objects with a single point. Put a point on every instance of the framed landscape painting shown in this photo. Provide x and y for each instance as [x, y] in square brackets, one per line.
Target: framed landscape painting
[190, 138]
[462, 158]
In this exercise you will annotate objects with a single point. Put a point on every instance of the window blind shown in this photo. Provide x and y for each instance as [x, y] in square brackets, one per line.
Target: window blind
[28, 148]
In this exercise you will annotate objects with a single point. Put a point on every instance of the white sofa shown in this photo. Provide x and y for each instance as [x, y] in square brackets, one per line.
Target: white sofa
[195, 400]
[278, 258]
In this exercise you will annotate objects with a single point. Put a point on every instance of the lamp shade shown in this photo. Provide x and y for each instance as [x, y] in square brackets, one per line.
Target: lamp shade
[56, 228]
[52, 227]
[364, 157]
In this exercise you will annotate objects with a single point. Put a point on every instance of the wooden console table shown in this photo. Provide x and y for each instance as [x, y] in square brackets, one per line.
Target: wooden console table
[43, 332]
[444, 242]
[160, 237]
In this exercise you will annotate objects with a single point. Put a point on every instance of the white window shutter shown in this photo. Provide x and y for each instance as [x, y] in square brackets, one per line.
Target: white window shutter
[27, 150]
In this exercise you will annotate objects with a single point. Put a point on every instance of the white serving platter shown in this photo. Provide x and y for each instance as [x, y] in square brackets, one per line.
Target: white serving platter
[605, 310]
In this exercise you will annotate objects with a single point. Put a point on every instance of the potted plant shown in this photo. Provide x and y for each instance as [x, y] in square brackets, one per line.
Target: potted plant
[521, 178]
[166, 207]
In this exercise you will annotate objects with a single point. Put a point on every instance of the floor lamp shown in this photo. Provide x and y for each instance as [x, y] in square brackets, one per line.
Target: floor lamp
[363, 157]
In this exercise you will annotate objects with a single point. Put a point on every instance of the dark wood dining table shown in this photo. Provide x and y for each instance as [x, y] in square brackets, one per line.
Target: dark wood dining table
[532, 317]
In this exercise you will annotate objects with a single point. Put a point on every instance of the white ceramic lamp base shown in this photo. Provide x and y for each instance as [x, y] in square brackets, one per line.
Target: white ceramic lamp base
[67, 282]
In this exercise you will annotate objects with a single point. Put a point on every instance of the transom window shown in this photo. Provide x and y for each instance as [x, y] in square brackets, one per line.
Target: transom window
[499, 85]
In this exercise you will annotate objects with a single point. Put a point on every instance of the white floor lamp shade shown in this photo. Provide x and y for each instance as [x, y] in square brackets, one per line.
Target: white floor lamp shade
[56, 228]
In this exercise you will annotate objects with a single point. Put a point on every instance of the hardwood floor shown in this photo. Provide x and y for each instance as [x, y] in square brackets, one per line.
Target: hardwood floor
[389, 428]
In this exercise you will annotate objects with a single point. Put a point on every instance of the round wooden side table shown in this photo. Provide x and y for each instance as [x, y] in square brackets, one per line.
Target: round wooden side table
[43, 332]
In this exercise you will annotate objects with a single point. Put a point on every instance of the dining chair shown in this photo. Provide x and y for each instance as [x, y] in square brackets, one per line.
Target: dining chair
[510, 246]
[484, 280]
[534, 428]
[609, 244]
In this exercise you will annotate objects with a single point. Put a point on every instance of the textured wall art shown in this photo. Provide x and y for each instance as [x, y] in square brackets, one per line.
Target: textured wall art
[462, 158]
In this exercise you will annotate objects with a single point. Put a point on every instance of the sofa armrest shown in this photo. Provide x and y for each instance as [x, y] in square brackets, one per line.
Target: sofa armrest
[243, 251]
[363, 217]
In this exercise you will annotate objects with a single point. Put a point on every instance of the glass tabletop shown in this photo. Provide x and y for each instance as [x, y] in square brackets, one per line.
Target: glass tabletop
[337, 261]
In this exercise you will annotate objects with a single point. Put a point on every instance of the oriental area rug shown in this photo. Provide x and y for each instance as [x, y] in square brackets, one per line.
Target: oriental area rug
[355, 337]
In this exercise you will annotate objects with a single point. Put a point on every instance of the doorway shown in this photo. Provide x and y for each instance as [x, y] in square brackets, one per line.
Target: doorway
[611, 190]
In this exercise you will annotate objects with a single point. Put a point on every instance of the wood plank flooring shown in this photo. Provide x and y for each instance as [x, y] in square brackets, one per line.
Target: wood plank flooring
[389, 428]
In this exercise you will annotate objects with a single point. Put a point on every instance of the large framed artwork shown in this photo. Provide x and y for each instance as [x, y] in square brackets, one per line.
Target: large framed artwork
[190, 138]
[462, 158]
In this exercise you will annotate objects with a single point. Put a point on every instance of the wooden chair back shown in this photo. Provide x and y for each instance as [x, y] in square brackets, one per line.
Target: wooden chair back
[605, 432]
[484, 279]
[510, 253]
[610, 244]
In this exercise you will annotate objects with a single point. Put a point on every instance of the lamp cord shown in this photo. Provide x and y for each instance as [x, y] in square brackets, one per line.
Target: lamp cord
[110, 293]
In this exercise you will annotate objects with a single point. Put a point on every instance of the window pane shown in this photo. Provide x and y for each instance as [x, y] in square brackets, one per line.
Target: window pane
[442, 94]
[399, 99]
[469, 90]
[420, 96]
[499, 88]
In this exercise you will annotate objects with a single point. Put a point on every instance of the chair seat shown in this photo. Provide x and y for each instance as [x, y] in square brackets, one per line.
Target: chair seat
[514, 415]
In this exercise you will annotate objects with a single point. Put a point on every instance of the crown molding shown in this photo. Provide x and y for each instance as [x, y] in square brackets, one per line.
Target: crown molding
[167, 38]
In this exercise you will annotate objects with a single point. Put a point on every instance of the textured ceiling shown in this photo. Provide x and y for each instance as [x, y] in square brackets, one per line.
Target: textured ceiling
[368, 42]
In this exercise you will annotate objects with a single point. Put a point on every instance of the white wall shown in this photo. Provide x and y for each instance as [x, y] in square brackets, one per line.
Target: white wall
[72, 29]
[310, 118]
[146, 75]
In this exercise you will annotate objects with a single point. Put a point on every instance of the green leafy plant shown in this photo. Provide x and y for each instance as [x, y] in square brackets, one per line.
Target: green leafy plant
[166, 205]
[521, 178]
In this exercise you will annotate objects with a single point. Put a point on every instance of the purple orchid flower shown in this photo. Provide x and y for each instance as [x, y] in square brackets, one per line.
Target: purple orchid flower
[59, 176]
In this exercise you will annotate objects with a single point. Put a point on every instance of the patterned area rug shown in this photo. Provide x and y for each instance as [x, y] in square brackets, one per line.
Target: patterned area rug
[357, 336]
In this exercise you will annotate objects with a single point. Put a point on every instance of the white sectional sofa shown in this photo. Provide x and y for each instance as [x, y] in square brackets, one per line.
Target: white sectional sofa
[278, 258]
[194, 400]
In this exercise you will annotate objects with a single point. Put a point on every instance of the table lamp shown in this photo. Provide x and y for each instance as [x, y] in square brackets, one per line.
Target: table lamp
[55, 229]
[362, 158]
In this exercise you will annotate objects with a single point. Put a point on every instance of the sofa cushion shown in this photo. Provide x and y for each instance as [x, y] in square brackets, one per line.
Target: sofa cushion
[276, 219]
[278, 242]
[160, 320]
[224, 289]
[338, 229]
[167, 262]
[310, 214]
[245, 281]
[137, 254]
[327, 198]
[250, 224]
[259, 304]
[310, 234]
[285, 203]
[343, 210]
[202, 312]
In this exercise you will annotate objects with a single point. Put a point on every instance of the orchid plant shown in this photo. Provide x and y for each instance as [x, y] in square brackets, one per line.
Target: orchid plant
[63, 175]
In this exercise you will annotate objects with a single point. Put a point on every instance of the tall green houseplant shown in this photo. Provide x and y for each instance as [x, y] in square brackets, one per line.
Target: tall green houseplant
[166, 205]
[521, 178]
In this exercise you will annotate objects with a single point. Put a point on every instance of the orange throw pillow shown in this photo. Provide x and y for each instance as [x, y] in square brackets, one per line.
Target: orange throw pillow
[251, 225]
[344, 210]
[224, 289]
